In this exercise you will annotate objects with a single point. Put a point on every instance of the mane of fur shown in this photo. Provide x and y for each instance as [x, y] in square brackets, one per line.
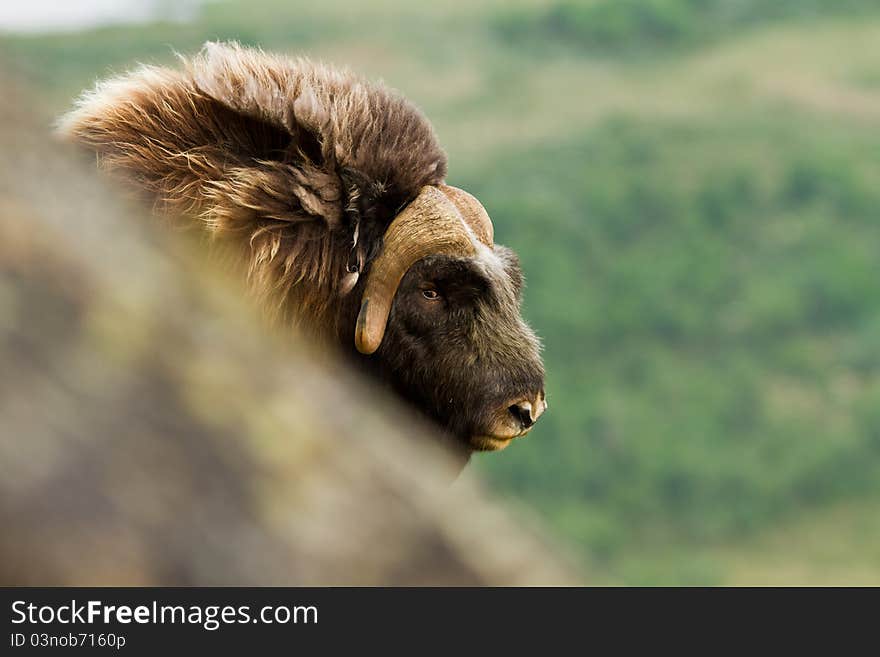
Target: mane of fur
[284, 158]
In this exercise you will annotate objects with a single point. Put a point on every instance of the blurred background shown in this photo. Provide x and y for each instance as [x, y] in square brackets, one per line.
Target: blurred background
[694, 189]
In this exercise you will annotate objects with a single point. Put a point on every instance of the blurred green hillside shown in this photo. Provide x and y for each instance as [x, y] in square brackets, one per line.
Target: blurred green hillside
[694, 189]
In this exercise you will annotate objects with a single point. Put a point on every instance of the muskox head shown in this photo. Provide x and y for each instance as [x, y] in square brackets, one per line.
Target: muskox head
[440, 315]
[331, 191]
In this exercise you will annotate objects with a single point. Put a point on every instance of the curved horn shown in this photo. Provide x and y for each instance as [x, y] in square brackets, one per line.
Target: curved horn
[473, 212]
[431, 224]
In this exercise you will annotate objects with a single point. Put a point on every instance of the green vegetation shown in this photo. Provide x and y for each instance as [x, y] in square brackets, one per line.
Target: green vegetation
[653, 25]
[700, 229]
[711, 330]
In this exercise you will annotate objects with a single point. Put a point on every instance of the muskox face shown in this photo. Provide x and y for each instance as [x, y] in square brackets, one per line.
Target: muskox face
[457, 348]
[440, 319]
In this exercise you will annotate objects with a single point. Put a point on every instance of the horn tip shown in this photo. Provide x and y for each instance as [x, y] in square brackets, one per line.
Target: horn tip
[363, 340]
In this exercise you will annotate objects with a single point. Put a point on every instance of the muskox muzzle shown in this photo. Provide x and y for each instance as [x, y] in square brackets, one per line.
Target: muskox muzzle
[513, 421]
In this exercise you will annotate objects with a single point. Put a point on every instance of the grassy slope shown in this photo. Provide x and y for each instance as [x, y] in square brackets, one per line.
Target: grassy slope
[700, 231]
[832, 546]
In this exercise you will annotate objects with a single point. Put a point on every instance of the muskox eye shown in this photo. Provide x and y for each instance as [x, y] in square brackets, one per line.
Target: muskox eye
[430, 295]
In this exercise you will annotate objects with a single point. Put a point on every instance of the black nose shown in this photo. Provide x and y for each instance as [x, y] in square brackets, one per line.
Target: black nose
[524, 413]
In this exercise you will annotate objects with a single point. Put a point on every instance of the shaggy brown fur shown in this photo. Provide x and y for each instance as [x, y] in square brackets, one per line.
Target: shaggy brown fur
[301, 169]
[286, 158]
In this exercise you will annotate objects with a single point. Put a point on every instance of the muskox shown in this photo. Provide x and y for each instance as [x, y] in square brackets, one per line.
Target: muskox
[331, 191]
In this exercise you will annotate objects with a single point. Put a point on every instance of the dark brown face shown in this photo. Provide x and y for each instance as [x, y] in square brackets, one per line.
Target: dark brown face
[457, 348]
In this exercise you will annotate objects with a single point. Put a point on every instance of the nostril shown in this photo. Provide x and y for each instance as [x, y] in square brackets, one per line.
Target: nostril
[522, 411]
